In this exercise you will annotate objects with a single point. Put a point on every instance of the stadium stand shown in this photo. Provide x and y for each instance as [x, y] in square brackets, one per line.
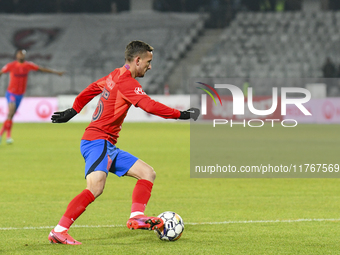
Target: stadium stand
[274, 45]
[90, 46]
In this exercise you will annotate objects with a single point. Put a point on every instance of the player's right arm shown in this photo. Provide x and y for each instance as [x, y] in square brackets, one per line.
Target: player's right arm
[81, 100]
[88, 94]
[6, 68]
[134, 93]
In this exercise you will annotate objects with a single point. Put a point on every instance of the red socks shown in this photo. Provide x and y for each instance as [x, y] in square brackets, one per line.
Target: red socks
[141, 195]
[76, 207]
[2, 129]
[7, 126]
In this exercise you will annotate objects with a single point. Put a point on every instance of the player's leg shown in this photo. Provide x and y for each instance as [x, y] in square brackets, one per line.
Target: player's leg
[96, 182]
[7, 126]
[142, 171]
[13, 104]
[95, 154]
[74, 209]
[142, 191]
[125, 164]
[95, 186]
[12, 107]
[140, 197]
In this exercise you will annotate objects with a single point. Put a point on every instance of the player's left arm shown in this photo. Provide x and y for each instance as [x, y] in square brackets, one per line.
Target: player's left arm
[133, 92]
[153, 107]
[48, 70]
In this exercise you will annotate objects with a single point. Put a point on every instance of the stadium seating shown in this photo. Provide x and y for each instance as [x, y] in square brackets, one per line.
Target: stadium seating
[277, 45]
[91, 46]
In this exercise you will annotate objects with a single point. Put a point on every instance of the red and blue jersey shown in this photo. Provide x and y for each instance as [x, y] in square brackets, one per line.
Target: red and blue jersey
[118, 92]
[18, 74]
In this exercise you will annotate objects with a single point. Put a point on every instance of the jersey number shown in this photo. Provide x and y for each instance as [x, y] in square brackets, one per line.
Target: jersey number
[100, 106]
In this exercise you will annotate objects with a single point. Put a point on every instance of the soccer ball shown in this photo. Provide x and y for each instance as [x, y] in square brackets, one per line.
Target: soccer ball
[173, 226]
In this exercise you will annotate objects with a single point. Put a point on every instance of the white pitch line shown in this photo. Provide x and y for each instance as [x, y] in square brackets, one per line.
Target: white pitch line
[259, 221]
[74, 226]
[186, 223]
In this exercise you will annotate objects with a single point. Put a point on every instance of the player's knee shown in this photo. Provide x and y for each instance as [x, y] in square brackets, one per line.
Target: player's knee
[96, 191]
[11, 111]
[142, 170]
[96, 182]
[10, 115]
[148, 173]
[151, 174]
[99, 192]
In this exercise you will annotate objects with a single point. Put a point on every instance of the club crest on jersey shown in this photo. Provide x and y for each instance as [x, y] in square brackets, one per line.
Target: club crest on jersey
[139, 91]
[109, 82]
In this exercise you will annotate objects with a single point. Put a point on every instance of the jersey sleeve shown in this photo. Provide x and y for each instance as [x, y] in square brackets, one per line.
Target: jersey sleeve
[151, 106]
[88, 94]
[136, 96]
[32, 66]
[6, 68]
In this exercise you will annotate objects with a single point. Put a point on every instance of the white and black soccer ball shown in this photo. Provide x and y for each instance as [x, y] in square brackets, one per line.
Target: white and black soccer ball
[173, 226]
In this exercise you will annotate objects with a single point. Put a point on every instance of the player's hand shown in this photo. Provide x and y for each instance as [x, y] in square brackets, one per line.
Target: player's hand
[191, 113]
[60, 73]
[65, 116]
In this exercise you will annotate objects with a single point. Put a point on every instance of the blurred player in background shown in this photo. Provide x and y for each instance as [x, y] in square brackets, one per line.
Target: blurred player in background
[18, 71]
[119, 90]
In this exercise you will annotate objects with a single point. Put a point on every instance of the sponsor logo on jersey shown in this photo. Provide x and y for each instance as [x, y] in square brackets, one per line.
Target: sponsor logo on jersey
[139, 91]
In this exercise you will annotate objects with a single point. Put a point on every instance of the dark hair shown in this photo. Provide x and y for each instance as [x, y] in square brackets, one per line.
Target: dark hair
[17, 50]
[136, 48]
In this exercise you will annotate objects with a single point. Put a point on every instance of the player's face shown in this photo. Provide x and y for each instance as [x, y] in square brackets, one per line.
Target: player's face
[21, 55]
[144, 64]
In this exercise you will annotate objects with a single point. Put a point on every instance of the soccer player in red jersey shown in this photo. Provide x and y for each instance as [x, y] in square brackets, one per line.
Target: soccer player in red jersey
[119, 90]
[18, 71]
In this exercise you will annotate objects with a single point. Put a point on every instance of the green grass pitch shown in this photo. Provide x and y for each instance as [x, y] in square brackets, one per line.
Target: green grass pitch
[43, 170]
